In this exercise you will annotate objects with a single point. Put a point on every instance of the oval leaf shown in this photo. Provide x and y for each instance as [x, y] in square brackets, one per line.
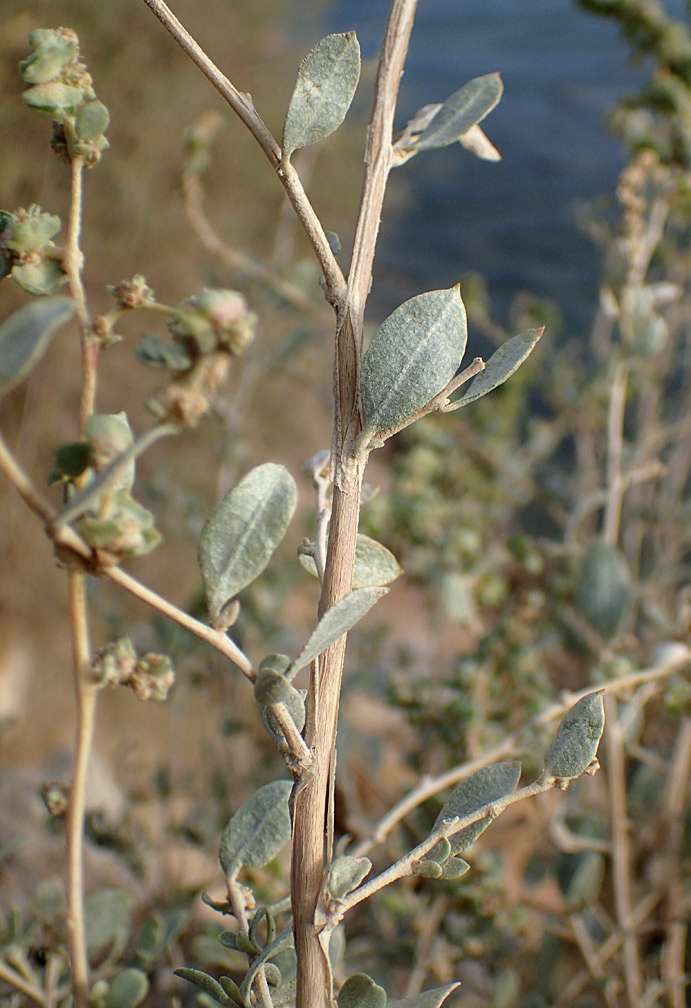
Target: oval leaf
[204, 982]
[462, 110]
[346, 873]
[374, 563]
[128, 988]
[428, 999]
[258, 830]
[575, 745]
[484, 787]
[604, 590]
[413, 356]
[501, 365]
[326, 83]
[360, 991]
[26, 335]
[241, 535]
[336, 622]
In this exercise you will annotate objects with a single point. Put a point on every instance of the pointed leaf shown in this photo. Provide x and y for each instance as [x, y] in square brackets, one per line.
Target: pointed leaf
[26, 335]
[360, 991]
[374, 563]
[204, 982]
[258, 830]
[575, 744]
[326, 83]
[484, 787]
[454, 868]
[412, 357]
[336, 622]
[604, 590]
[243, 531]
[428, 999]
[462, 110]
[502, 364]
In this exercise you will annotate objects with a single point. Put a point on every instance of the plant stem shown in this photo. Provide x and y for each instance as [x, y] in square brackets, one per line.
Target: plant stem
[621, 855]
[10, 976]
[86, 693]
[313, 796]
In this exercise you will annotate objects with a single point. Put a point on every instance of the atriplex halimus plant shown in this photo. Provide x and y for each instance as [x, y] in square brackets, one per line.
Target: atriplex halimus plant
[412, 367]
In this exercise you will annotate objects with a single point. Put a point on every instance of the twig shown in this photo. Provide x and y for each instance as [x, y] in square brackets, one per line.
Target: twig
[676, 923]
[14, 979]
[244, 108]
[86, 694]
[621, 854]
[66, 538]
[448, 827]
[510, 747]
[616, 482]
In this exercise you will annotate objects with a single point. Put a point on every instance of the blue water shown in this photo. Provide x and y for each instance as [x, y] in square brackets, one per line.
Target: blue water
[514, 221]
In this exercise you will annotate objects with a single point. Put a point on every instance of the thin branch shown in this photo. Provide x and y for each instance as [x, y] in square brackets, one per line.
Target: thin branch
[510, 746]
[10, 976]
[65, 538]
[243, 107]
[621, 852]
[86, 692]
[616, 482]
[448, 827]
[676, 922]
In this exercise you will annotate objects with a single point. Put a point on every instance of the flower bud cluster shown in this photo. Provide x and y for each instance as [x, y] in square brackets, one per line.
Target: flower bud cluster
[27, 253]
[150, 676]
[208, 330]
[61, 87]
[114, 523]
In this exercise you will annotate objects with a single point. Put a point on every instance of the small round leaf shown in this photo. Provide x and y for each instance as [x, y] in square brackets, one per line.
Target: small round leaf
[360, 991]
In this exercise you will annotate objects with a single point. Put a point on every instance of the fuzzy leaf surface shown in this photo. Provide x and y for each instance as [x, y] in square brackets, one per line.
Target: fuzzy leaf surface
[360, 991]
[604, 590]
[427, 999]
[502, 364]
[462, 110]
[578, 736]
[205, 983]
[326, 83]
[346, 873]
[484, 787]
[26, 335]
[374, 563]
[258, 830]
[242, 533]
[337, 621]
[413, 356]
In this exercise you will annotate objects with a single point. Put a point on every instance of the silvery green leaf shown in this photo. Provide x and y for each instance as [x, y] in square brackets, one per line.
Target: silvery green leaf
[462, 110]
[245, 528]
[427, 999]
[231, 989]
[280, 943]
[270, 687]
[326, 83]
[108, 916]
[484, 787]
[604, 590]
[336, 622]
[502, 364]
[128, 988]
[360, 991]
[374, 563]
[205, 983]
[26, 335]
[346, 873]
[258, 830]
[427, 868]
[413, 356]
[575, 744]
[454, 868]
[54, 98]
